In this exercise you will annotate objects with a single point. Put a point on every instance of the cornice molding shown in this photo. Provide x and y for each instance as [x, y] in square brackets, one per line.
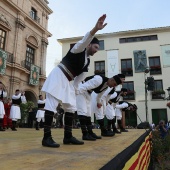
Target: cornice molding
[26, 16]
[20, 24]
[4, 22]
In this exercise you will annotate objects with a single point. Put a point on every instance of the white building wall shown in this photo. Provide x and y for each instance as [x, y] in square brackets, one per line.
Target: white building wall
[125, 51]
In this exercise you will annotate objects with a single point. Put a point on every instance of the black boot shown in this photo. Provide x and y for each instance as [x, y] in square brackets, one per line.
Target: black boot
[37, 125]
[47, 140]
[14, 126]
[109, 124]
[104, 131]
[1, 122]
[83, 126]
[114, 127]
[68, 138]
[89, 128]
[121, 127]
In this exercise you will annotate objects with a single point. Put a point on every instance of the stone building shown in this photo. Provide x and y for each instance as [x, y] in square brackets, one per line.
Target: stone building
[23, 44]
[130, 52]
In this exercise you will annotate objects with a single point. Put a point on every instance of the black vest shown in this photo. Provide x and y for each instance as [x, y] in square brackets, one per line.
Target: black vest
[124, 109]
[41, 105]
[1, 96]
[116, 99]
[17, 101]
[75, 63]
[112, 91]
[100, 88]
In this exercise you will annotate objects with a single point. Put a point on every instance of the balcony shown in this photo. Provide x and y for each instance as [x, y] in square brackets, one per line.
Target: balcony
[10, 57]
[158, 94]
[155, 70]
[34, 17]
[127, 71]
[99, 72]
[130, 95]
[27, 65]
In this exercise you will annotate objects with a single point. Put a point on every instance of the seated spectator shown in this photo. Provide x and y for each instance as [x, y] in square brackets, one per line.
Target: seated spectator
[163, 128]
[152, 126]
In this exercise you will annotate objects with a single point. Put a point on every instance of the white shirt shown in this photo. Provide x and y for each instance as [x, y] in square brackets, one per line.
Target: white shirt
[95, 82]
[77, 48]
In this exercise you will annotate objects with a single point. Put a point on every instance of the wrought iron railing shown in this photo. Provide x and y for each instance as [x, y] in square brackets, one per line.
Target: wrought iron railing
[10, 57]
[27, 65]
[130, 95]
[34, 17]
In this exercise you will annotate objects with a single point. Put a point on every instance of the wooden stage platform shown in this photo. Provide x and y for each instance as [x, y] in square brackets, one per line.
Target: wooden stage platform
[22, 150]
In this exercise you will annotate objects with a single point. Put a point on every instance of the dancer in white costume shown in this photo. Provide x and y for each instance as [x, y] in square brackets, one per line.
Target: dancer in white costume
[40, 111]
[15, 112]
[110, 108]
[123, 106]
[3, 94]
[59, 87]
[97, 84]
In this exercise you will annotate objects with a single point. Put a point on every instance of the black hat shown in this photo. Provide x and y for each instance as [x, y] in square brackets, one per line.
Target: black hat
[117, 79]
[94, 41]
[135, 107]
[124, 89]
[121, 75]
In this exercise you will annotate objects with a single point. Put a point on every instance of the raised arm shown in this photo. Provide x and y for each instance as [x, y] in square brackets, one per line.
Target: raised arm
[82, 44]
[99, 25]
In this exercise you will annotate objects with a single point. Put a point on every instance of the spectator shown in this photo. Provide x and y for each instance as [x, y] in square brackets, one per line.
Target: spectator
[163, 129]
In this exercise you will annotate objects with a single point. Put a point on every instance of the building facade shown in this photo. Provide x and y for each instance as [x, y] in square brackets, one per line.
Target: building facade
[132, 52]
[23, 44]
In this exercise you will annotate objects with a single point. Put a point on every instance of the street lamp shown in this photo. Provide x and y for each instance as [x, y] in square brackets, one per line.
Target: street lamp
[147, 70]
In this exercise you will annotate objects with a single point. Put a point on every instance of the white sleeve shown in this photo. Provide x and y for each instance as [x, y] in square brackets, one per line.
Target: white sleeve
[4, 94]
[16, 97]
[113, 95]
[41, 101]
[23, 99]
[122, 106]
[99, 96]
[90, 84]
[82, 44]
[79, 79]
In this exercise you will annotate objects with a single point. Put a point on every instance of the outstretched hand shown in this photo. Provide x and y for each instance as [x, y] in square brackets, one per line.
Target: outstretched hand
[100, 23]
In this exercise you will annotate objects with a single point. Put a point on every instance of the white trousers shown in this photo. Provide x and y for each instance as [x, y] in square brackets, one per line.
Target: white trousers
[51, 104]
[84, 104]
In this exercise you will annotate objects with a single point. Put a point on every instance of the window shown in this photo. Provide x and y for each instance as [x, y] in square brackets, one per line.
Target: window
[155, 66]
[130, 93]
[100, 68]
[2, 39]
[138, 39]
[158, 92]
[101, 44]
[33, 14]
[158, 85]
[29, 57]
[126, 67]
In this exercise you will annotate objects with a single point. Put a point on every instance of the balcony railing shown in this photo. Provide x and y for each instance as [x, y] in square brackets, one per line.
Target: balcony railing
[127, 71]
[34, 17]
[10, 57]
[25, 64]
[130, 95]
[155, 69]
[160, 94]
[99, 72]
[28, 66]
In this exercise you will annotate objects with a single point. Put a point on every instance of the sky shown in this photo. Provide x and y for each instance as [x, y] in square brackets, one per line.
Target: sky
[73, 18]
